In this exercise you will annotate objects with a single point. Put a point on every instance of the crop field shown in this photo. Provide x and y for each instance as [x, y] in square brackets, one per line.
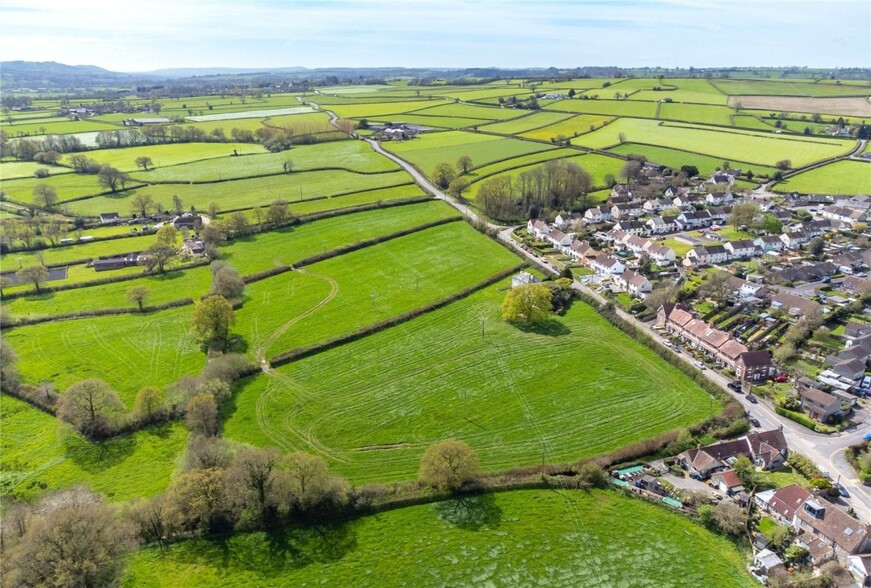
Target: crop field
[576, 125]
[55, 126]
[840, 177]
[251, 114]
[790, 88]
[607, 107]
[472, 111]
[598, 166]
[738, 145]
[38, 454]
[430, 150]
[522, 538]
[401, 275]
[12, 169]
[847, 106]
[236, 194]
[67, 186]
[675, 158]
[354, 156]
[372, 406]
[127, 351]
[172, 154]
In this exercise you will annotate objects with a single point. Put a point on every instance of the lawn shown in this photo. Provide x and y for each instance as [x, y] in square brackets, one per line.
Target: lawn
[576, 125]
[170, 154]
[127, 351]
[236, 194]
[675, 158]
[575, 388]
[354, 156]
[840, 177]
[520, 538]
[38, 454]
[733, 145]
[429, 150]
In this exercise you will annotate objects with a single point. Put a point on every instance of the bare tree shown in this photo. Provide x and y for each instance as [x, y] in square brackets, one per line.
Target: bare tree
[45, 195]
[91, 406]
[32, 274]
[201, 415]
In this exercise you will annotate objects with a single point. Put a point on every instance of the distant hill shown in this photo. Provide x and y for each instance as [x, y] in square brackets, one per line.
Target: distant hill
[50, 74]
[189, 72]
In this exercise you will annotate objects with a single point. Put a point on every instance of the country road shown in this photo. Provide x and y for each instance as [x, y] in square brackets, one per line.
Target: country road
[825, 450]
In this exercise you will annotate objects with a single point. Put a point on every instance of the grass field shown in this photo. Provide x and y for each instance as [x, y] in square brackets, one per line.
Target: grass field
[522, 538]
[488, 170]
[733, 145]
[571, 127]
[699, 113]
[38, 454]
[170, 154]
[674, 158]
[527, 122]
[430, 150]
[12, 169]
[607, 107]
[55, 126]
[252, 114]
[86, 250]
[433, 122]
[598, 166]
[376, 110]
[790, 88]
[840, 177]
[352, 155]
[237, 194]
[67, 186]
[127, 351]
[372, 406]
[472, 111]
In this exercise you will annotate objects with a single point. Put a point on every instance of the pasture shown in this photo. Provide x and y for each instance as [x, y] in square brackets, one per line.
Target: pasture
[598, 166]
[67, 186]
[376, 109]
[574, 388]
[841, 177]
[483, 171]
[521, 538]
[472, 111]
[733, 145]
[572, 127]
[38, 454]
[429, 150]
[527, 122]
[12, 169]
[168, 154]
[788, 88]
[251, 114]
[699, 113]
[606, 107]
[675, 158]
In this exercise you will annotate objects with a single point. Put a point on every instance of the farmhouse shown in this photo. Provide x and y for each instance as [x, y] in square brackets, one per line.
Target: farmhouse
[187, 220]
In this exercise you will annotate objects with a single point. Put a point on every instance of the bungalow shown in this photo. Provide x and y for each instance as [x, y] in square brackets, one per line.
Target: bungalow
[727, 482]
[850, 259]
[537, 228]
[850, 369]
[769, 243]
[827, 523]
[766, 449]
[634, 283]
[856, 285]
[598, 214]
[607, 264]
[632, 227]
[109, 218]
[807, 272]
[744, 289]
[523, 279]
[795, 305]
[820, 406]
[783, 503]
[740, 249]
[753, 366]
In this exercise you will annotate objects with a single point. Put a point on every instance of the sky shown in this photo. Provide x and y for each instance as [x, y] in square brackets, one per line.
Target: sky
[121, 35]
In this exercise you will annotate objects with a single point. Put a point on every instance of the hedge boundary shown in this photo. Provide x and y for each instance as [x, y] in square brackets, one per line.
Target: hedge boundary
[309, 350]
[97, 312]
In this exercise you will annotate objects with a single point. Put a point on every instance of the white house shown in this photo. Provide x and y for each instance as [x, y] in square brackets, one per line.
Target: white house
[634, 283]
[608, 264]
[632, 227]
[559, 239]
[718, 199]
[741, 248]
[598, 214]
[656, 205]
[523, 278]
[537, 228]
[707, 255]
[661, 254]
[795, 239]
[660, 224]
[769, 243]
[564, 219]
[628, 210]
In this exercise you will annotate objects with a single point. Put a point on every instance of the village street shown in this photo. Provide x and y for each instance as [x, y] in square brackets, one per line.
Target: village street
[827, 451]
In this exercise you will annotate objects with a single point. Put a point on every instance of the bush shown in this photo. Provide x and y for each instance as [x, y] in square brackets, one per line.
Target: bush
[803, 465]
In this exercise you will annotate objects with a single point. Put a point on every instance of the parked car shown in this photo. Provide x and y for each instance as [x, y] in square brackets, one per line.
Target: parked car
[867, 438]
[700, 364]
[824, 472]
[827, 280]
[754, 421]
[668, 343]
[752, 399]
[842, 490]
[735, 385]
[781, 378]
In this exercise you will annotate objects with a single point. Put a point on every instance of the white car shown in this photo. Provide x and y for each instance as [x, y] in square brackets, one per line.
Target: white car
[700, 364]
[667, 343]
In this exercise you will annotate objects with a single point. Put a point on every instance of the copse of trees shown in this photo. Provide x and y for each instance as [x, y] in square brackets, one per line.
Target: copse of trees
[92, 407]
[212, 319]
[528, 303]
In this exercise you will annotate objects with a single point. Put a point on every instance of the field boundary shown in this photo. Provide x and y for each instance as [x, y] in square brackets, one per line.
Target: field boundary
[309, 350]
[98, 312]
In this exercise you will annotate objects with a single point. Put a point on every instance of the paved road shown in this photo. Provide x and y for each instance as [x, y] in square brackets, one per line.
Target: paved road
[826, 450]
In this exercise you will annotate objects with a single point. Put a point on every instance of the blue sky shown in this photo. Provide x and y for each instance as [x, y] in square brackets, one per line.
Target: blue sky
[127, 36]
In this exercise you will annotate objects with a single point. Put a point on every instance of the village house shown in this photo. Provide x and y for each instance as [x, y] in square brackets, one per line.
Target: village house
[824, 522]
[795, 305]
[523, 279]
[766, 449]
[598, 214]
[566, 219]
[741, 249]
[707, 255]
[744, 289]
[628, 210]
[634, 283]
[537, 228]
[841, 214]
[558, 239]
[635, 244]
[754, 366]
[718, 199]
[583, 253]
[110, 218]
[727, 482]
[782, 504]
[856, 284]
[608, 265]
[851, 260]
[693, 220]
[820, 406]
[769, 243]
[633, 227]
[808, 272]
[656, 205]
[661, 224]
[794, 239]
[686, 201]
[660, 254]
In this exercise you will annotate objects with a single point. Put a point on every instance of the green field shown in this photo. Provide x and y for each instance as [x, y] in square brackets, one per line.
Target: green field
[55, 126]
[38, 454]
[598, 166]
[434, 122]
[699, 113]
[733, 145]
[536, 120]
[478, 173]
[788, 88]
[571, 127]
[429, 150]
[375, 110]
[170, 154]
[840, 177]
[578, 388]
[351, 155]
[12, 169]
[236, 194]
[472, 111]
[522, 538]
[86, 250]
[67, 186]
[674, 159]
[608, 107]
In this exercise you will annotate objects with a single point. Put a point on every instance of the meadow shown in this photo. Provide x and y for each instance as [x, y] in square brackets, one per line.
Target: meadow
[841, 177]
[67, 186]
[738, 145]
[472, 111]
[574, 388]
[788, 88]
[124, 158]
[78, 252]
[429, 150]
[606, 107]
[536, 120]
[38, 454]
[576, 125]
[674, 158]
[433, 122]
[12, 169]
[377, 109]
[251, 114]
[598, 166]
[699, 113]
[523, 538]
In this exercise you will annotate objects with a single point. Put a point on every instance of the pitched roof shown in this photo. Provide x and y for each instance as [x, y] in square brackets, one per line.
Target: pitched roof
[787, 501]
[729, 477]
[818, 396]
[755, 358]
[733, 349]
[836, 525]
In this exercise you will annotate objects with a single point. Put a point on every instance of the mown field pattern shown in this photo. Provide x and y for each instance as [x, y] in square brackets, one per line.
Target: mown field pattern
[840, 177]
[523, 538]
[577, 387]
